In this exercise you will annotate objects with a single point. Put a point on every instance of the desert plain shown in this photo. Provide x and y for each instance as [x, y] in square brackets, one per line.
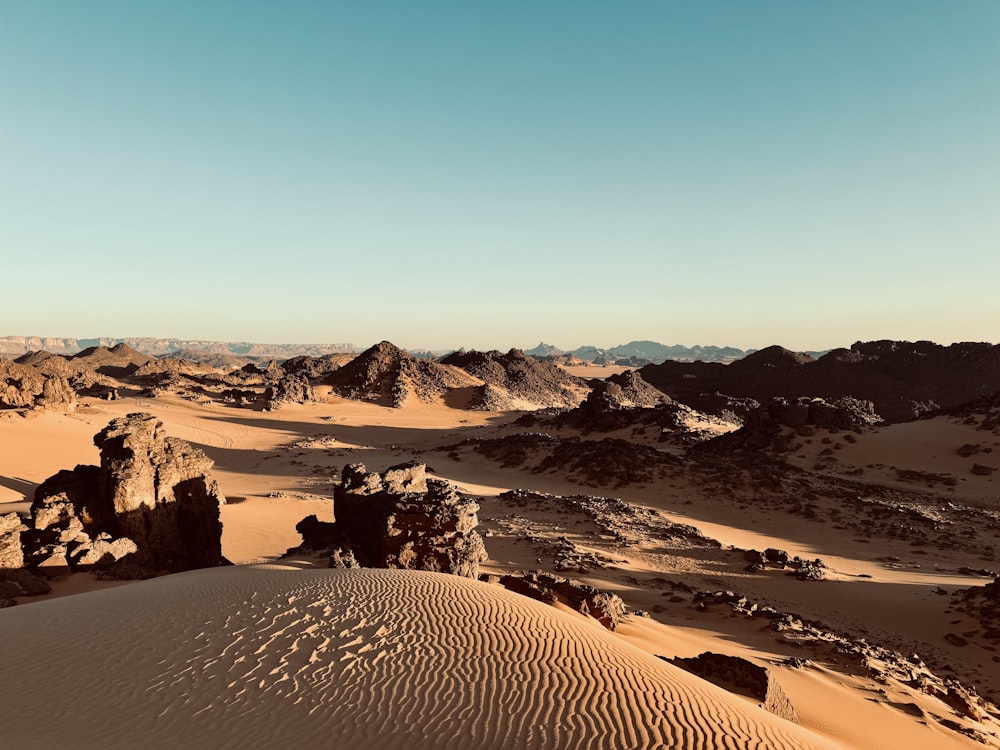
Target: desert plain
[831, 565]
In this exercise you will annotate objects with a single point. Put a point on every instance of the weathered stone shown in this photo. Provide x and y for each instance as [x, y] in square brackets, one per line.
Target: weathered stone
[741, 676]
[151, 501]
[288, 389]
[161, 494]
[606, 608]
[11, 554]
[398, 519]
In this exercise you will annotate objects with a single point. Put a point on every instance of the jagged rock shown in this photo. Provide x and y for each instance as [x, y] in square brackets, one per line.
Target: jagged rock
[11, 554]
[288, 389]
[606, 608]
[741, 676]
[151, 502]
[982, 470]
[27, 387]
[161, 494]
[398, 519]
[387, 375]
[772, 424]
[516, 381]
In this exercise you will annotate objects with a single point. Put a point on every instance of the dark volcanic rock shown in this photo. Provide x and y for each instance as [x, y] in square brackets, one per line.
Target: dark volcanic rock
[398, 519]
[741, 676]
[151, 502]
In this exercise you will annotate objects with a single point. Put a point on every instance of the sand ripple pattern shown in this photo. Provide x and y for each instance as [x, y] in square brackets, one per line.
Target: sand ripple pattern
[247, 658]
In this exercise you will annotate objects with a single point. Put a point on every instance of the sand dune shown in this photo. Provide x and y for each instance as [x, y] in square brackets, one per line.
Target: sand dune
[267, 657]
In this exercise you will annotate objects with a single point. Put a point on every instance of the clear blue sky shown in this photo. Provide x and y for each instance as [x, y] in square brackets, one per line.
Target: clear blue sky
[488, 174]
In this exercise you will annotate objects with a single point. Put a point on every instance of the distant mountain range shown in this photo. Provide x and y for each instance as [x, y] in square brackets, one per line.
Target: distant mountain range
[635, 353]
[15, 346]
[644, 352]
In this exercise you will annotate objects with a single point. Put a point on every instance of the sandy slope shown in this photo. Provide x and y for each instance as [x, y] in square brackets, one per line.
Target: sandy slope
[264, 658]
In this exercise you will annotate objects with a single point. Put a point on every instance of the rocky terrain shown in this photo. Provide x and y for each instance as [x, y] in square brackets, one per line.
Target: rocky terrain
[387, 375]
[398, 518]
[903, 380]
[150, 507]
[729, 499]
[515, 381]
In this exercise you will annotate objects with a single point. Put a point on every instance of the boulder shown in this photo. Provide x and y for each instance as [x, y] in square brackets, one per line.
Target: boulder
[741, 676]
[398, 519]
[151, 501]
[288, 389]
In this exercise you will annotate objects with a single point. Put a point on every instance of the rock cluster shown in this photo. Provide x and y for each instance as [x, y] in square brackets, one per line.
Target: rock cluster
[610, 461]
[387, 375]
[26, 387]
[516, 381]
[398, 519]
[741, 676]
[777, 423]
[151, 502]
[903, 379]
[288, 389]
[804, 570]
[608, 609]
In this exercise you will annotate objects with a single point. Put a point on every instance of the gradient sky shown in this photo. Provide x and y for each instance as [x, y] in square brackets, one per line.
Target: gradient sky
[483, 174]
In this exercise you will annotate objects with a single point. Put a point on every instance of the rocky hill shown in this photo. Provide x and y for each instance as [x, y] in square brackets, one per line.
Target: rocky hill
[516, 381]
[385, 374]
[902, 379]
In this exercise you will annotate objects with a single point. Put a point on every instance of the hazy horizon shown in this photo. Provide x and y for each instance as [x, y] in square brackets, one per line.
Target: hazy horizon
[455, 347]
[455, 174]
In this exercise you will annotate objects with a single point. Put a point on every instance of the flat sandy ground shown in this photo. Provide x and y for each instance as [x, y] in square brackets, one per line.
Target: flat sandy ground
[268, 656]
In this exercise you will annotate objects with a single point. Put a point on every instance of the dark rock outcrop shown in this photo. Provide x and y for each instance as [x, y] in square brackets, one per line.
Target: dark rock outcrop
[608, 609]
[741, 676]
[398, 519]
[775, 424]
[600, 463]
[151, 502]
[516, 381]
[904, 380]
[288, 389]
[387, 375]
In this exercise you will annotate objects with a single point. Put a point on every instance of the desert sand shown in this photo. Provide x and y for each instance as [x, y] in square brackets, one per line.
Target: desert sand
[262, 655]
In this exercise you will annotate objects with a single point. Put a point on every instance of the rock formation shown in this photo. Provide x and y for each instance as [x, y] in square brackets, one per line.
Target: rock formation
[516, 381]
[778, 422]
[288, 389]
[606, 608]
[151, 502]
[14, 579]
[398, 519]
[743, 677]
[903, 379]
[387, 375]
[26, 387]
